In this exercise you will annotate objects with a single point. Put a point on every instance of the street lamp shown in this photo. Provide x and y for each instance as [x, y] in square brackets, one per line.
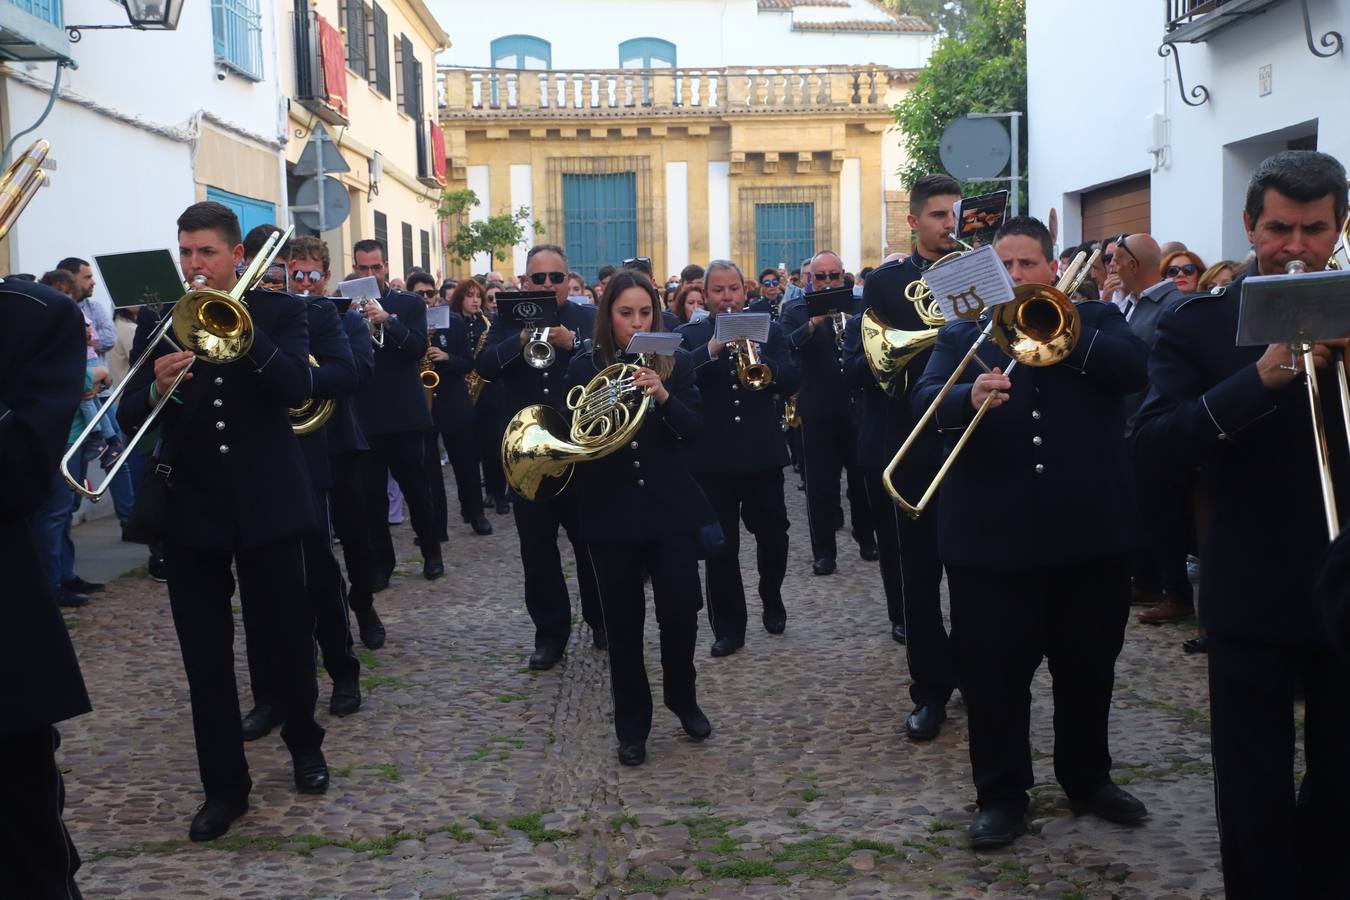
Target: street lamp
[143, 15]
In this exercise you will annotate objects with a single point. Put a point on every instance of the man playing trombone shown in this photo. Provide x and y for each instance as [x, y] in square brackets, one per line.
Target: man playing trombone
[1035, 528]
[1242, 415]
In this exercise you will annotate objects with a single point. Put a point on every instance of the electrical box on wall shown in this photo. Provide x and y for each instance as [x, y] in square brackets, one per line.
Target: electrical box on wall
[1263, 86]
[1157, 125]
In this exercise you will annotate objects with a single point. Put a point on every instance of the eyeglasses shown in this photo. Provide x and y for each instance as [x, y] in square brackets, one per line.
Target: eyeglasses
[1119, 241]
[369, 269]
[550, 277]
[1174, 271]
[827, 276]
[427, 292]
[307, 276]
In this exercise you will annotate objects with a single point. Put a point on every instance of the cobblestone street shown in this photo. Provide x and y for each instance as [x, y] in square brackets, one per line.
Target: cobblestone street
[466, 775]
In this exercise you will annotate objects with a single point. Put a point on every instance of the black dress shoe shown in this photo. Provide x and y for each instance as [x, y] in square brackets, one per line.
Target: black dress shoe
[775, 622]
[1110, 803]
[696, 724]
[823, 566]
[545, 657]
[380, 581]
[80, 586]
[311, 772]
[216, 815]
[70, 599]
[372, 629]
[632, 753]
[480, 524]
[157, 569]
[346, 697]
[260, 721]
[599, 640]
[1197, 644]
[503, 506]
[995, 827]
[898, 633]
[725, 646]
[432, 567]
[869, 552]
[924, 723]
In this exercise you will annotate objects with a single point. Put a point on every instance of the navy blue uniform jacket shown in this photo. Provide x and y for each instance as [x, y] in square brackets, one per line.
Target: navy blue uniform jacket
[239, 478]
[42, 370]
[1207, 408]
[450, 406]
[822, 394]
[1046, 478]
[742, 429]
[335, 378]
[525, 386]
[344, 428]
[642, 492]
[394, 402]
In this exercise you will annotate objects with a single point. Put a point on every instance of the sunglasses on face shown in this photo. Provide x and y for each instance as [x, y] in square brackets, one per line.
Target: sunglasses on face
[307, 276]
[427, 292]
[827, 276]
[550, 277]
[1119, 241]
[639, 262]
[770, 282]
[275, 275]
[1174, 271]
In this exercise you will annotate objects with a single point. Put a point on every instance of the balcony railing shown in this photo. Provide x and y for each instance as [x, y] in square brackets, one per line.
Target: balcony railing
[1192, 21]
[618, 93]
[1183, 12]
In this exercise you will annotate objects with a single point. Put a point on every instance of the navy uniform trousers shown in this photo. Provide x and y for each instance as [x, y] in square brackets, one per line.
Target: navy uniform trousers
[757, 499]
[546, 596]
[828, 448]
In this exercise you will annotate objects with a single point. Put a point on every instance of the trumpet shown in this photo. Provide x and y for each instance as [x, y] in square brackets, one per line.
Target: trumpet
[376, 331]
[753, 372]
[839, 321]
[1038, 327]
[539, 353]
[215, 326]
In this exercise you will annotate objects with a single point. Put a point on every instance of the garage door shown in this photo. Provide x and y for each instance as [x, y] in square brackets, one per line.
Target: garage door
[1117, 208]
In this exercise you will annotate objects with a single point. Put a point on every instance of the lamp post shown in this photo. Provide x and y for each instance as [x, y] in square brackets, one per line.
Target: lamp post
[142, 15]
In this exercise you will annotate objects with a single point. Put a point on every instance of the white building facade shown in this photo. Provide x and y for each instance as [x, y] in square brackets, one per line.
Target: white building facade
[1121, 139]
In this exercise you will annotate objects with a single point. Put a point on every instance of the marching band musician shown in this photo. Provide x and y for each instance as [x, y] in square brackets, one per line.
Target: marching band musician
[911, 573]
[452, 356]
[336, 376]
[1242, 415]
[395, 418]
[825, 407]
[489, 410]
[238, 494]
[537, 522]
[640, 511]
[1035, 527]
[738, 460]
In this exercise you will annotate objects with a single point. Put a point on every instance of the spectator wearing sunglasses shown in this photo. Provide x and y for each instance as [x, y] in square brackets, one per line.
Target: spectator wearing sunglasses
[1185, 269]
[1219, 275]
[770, 294]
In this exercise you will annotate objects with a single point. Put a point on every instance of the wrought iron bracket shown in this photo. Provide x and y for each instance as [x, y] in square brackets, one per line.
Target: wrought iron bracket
[1199, 91]
[73, 31]
[1332, 39]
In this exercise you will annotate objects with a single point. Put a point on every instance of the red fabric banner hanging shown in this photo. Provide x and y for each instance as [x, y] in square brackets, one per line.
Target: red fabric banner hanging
[437, 151]
[334, 56]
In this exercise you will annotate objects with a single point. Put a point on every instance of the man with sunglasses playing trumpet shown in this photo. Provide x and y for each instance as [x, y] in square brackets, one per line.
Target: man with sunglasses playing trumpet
[537, 521]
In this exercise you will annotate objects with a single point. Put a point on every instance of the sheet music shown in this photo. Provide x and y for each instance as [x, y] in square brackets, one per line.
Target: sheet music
[734, 326]
[970, 284]
[438, 317]
[366, 288]
[1309, 307]
[140, 277]
[654, 343]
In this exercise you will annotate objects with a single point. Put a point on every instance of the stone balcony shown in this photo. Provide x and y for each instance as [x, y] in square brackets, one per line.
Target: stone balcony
[625, 94]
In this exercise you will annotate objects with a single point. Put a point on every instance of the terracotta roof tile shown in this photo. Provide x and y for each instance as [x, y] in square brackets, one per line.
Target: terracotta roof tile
[903, 24]
[789, 4]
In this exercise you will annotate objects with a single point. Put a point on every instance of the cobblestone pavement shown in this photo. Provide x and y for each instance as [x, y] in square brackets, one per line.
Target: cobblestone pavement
[466, 775]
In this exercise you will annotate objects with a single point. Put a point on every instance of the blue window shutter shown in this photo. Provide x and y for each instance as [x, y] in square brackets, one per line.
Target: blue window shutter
[251, 212]
[599, 220]
[784, 232]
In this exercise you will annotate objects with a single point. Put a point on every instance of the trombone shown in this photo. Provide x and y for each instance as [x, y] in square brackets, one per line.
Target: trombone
[1038, 327]
[214, 325]
[20, 183]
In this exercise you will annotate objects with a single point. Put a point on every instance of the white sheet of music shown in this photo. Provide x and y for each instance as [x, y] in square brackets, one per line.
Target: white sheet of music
[734, 326]
[654, 343]
[366, 288]
[438, 317]
[970, 283]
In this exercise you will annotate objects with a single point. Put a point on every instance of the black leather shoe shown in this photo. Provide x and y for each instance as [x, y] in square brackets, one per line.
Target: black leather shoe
[259, 722]
[924, 723]
[215, 817]
[869, 552]
[775, 622]
[546, 657]
[898, 633]
[311, 772]
[432, 567]
[480, 524]
[823, 566]
[696, 724]
[1112, 804]
[381, 581]
[70, 599]
[995, 827]
[503, 506]
[599, 640]
[80, 586]
[157, 568]
[1197, 644]
[346, 697]
[633, 753]
[372, 629]
[725, 646]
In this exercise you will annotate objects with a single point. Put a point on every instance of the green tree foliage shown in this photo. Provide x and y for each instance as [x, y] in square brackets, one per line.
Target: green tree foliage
[947, 16]
[984, 72]
[495, 235]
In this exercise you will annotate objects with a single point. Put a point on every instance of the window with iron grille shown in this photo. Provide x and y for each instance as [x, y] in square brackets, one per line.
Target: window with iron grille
[399, 83]
[407, 249]
[354, 19]
[602, 210]
[236, 27]
[379, 50]
[409, 78]
[426, 250]
[382, 231]
[784, 225]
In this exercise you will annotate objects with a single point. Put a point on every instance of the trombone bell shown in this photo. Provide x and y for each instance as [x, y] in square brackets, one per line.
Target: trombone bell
[1040, 327]
[889, 350]
[213, 325]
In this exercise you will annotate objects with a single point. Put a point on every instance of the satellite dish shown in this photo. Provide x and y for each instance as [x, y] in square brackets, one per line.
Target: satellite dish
[972, 149]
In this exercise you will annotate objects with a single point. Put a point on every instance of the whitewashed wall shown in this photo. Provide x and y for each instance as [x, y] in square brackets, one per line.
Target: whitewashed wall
[1094, 85]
